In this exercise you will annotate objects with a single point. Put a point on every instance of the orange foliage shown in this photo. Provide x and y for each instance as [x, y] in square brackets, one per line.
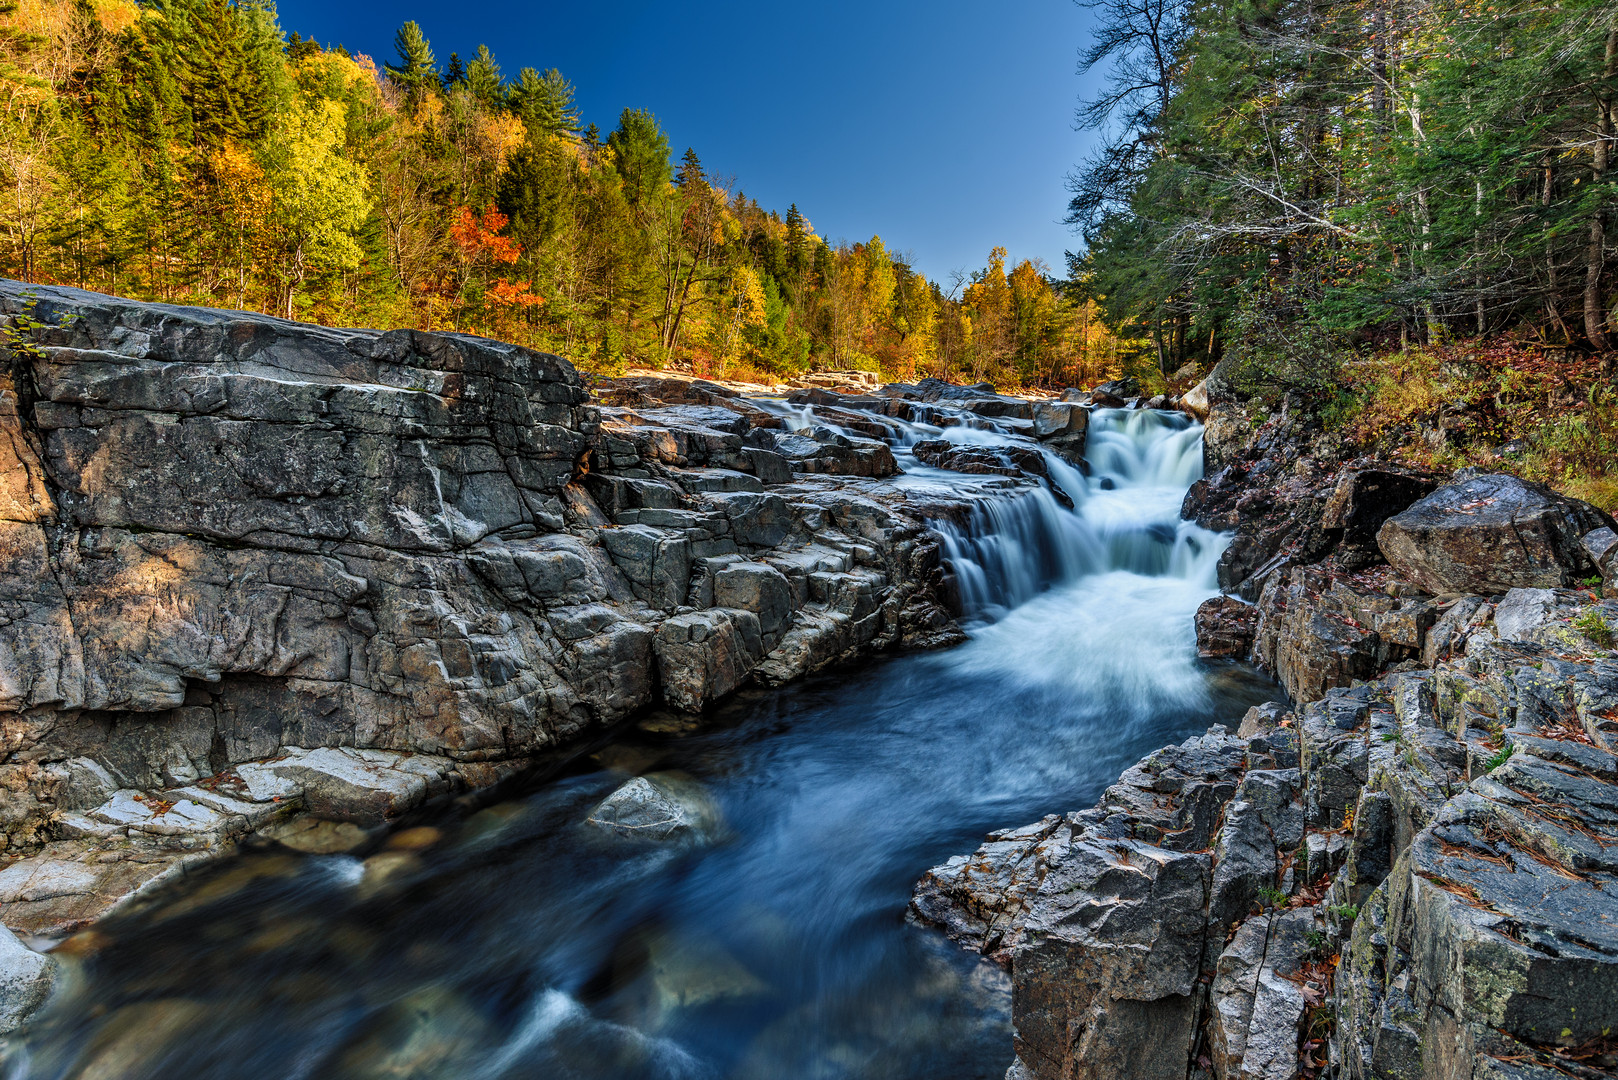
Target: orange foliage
[479, 236]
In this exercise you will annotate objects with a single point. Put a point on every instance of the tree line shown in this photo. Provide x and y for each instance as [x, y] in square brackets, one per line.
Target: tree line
[190, 151]
[1291, 178]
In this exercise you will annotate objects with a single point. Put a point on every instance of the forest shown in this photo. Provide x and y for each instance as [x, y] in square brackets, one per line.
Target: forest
[191, 151]
[1396, 214]
[1411, 171]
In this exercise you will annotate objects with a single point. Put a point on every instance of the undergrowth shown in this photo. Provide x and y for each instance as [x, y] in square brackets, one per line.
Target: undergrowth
[1546, 415]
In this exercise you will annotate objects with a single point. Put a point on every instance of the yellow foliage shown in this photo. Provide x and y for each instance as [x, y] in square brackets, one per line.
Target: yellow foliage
[498, 135]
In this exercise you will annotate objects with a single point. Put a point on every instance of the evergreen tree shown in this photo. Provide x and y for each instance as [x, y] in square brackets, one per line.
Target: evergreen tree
[641, 152]
[416, 72]
[545, 103]
[484, 81]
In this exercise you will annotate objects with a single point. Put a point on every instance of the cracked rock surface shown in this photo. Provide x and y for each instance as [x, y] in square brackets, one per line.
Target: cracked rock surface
[255, 569]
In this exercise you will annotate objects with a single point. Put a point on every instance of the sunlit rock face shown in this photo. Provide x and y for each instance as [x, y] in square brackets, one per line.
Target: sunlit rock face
[226, 537]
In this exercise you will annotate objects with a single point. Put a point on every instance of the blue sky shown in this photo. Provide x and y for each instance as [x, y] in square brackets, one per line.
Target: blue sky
[944, 126]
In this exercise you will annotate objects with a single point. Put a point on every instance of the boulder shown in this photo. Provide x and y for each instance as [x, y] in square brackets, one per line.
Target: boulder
[1490, 533]
[1361, 502]
[657, 808]
[26, 978]
[1053, 419]
[1116, 393]
[1194, 402]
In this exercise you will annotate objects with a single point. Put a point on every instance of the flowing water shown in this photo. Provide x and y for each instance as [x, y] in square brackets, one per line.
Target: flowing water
[519, 941]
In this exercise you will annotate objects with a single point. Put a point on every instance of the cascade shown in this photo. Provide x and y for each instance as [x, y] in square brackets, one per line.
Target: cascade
[1125, 514]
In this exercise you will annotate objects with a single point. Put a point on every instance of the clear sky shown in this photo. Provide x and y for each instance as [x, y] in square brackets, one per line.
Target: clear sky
[944, 126]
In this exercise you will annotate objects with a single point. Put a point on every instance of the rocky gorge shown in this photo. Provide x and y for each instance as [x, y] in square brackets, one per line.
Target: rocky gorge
[272, 586]
[1403, 871]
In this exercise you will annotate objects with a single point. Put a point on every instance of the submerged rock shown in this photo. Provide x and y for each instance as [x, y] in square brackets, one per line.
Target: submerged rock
[657, 808]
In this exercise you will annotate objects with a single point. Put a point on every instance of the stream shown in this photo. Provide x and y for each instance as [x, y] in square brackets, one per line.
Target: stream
[520, 941]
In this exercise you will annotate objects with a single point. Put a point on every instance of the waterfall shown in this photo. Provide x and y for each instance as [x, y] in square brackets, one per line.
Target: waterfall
[1125, 514]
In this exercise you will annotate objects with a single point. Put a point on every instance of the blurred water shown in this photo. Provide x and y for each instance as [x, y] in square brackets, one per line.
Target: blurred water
[522, 942]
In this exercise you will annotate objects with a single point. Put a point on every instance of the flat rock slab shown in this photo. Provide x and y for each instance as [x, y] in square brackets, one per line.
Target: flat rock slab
[67, 887]
[364, 784]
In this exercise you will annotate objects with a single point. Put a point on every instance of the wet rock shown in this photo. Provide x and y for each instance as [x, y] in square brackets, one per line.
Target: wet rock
[1225, 627]
[1316, 632]
[26, 979]
[980, 460]
[136, 1038]
[427, 1033]
[1055, 419]
[656, 808]
[1116, 393]
[318, 836]
[1491, 533]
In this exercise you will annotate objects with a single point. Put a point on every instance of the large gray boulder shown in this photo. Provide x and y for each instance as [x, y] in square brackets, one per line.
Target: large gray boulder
[26, 978]
[1491, 533]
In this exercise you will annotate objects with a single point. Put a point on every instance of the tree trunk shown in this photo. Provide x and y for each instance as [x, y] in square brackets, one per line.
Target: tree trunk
[1594, 256]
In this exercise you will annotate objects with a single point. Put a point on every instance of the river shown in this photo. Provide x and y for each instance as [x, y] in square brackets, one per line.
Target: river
[517, 940]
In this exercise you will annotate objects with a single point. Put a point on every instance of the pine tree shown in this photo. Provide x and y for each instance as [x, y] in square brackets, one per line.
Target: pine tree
[416, 72]
[641, 151]
[690, 170]
[544, 103]
[484, 81]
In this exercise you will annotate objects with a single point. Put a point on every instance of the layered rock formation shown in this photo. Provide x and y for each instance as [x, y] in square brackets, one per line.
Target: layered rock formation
[253, 566]
[1408, 878]
[1406, 875]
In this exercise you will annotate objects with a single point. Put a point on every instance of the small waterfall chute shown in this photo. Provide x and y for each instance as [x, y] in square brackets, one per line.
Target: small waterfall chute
[1124, 515]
